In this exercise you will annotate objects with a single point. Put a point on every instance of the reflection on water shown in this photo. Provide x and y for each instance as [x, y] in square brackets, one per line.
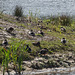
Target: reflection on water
[40, 7]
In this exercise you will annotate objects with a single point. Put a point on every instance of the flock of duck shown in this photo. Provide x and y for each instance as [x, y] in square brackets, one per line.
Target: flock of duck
[31, 33]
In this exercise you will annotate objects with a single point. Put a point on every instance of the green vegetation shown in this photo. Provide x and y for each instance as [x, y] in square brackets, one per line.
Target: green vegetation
[18, 11]
[16, 51]
[65, 20]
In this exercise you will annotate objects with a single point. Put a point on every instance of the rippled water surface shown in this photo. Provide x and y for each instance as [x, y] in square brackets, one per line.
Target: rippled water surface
[40, 7]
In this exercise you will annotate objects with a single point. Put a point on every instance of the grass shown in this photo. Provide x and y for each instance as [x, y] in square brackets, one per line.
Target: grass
[17, 48]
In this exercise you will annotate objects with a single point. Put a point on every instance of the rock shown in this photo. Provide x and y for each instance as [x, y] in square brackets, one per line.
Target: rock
[65, 64]
[38, 65]
[27, 63]
[69, 62]
[56, 55]
[57, 64]
[28, 69]
[39, 59]
[11, 65]
[12, 72]
[51, 64]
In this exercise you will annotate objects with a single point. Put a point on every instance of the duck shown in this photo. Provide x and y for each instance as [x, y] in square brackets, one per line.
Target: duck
[10, 29]
[5, 43]
[28, 48]
[41, 32]
[44, 51]
[36, 44]
[40, 21]
[63, 40]
[63, 29]
[31, 33]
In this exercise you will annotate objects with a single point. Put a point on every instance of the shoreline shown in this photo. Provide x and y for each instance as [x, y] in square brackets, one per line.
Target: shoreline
[53, 70]
[44, 71]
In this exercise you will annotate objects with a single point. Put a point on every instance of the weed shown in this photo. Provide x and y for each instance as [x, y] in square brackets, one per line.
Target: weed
[65, 20]
[6, 59]
[18, 11]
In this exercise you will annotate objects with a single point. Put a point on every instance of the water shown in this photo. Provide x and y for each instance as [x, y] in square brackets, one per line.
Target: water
[40, 7]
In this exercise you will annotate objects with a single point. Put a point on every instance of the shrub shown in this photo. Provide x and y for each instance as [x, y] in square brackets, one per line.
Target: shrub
[18, 11]
[65, 20]
[54, 20]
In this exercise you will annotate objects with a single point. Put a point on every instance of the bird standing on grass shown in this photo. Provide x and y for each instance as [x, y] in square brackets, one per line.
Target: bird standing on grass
[36, 44]
[44, 51]
[28, 48]
[5, 43]
[63, 40]
[10, 29]
[63, 29]
[31, 33]
[41, 32]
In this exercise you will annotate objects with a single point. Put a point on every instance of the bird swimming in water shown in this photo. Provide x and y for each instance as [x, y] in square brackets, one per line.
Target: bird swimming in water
[31, 33]
[63, 40]
[28, 48]
[4, 43]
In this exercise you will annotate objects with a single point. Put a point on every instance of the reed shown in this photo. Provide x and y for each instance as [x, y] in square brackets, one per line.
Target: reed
[6, 60]
[18, 11]
[19, 63]
[16, 55]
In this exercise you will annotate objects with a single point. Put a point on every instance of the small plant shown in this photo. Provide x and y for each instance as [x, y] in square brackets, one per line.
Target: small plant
[14, 55]
[18, 11]
[6, 60]
[65, 20]
[19, 63]
[54, 20]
